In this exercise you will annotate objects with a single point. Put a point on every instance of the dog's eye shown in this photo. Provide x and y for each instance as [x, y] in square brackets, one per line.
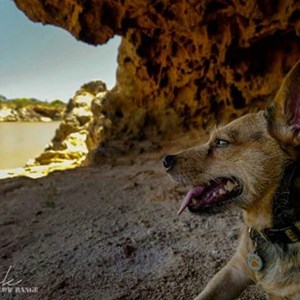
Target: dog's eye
[221, 143]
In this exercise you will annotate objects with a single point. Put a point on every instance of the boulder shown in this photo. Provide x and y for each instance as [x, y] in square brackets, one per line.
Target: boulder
[8, 115]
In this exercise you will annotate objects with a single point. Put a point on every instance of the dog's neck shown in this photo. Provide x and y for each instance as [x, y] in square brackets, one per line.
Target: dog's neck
[286, 208]
[283, 210]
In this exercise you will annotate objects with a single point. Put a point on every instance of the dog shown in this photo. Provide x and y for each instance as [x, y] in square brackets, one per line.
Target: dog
[252, 163]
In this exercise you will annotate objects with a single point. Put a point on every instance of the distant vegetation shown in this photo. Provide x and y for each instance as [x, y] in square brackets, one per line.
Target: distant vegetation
[30, 110]
[24, 102]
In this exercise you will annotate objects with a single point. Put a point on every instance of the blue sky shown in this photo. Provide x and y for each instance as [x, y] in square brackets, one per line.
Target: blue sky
[47, 62]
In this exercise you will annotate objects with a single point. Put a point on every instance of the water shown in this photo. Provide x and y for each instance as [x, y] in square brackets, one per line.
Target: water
[22, 141]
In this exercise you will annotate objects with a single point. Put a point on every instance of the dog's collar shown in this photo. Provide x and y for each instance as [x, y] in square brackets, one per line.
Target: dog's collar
[286, 235]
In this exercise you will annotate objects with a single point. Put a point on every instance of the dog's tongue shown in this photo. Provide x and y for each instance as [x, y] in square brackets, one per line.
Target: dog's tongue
[196, 191]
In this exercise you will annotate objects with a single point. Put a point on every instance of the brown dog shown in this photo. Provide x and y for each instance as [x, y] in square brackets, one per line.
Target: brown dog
[252, 163]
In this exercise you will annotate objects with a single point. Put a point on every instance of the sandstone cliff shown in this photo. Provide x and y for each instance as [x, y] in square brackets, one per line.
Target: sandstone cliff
[182, 64]
[74, 138]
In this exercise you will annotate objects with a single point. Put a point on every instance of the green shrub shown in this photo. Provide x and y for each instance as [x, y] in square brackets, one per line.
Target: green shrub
[57, 102]
[18, 103]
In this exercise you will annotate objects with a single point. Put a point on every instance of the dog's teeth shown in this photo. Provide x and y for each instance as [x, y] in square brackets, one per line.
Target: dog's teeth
[221, 191]
[229, 186]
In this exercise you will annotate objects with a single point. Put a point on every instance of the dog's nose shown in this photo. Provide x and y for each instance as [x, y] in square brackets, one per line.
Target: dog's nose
[169, 161]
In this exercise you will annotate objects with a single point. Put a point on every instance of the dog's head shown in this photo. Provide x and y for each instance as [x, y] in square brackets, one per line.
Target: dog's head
[242, 162]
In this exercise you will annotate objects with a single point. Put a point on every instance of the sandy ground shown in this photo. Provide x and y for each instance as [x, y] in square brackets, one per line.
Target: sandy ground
[110, 232]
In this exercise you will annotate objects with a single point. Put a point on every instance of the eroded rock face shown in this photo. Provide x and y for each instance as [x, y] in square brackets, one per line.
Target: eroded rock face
[182, 64]
[73, 141]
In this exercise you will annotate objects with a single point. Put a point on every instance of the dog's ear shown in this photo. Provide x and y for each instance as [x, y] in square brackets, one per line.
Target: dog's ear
[283, 114]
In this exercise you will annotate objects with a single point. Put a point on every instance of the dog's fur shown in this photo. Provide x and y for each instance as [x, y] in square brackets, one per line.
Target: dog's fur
[260, 149]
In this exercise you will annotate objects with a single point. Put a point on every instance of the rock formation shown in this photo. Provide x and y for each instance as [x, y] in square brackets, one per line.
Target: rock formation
[31, 113]
[182, 64]
[72, 141]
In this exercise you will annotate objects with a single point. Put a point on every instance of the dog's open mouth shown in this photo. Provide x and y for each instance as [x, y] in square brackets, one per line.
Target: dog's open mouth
[215, 192]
